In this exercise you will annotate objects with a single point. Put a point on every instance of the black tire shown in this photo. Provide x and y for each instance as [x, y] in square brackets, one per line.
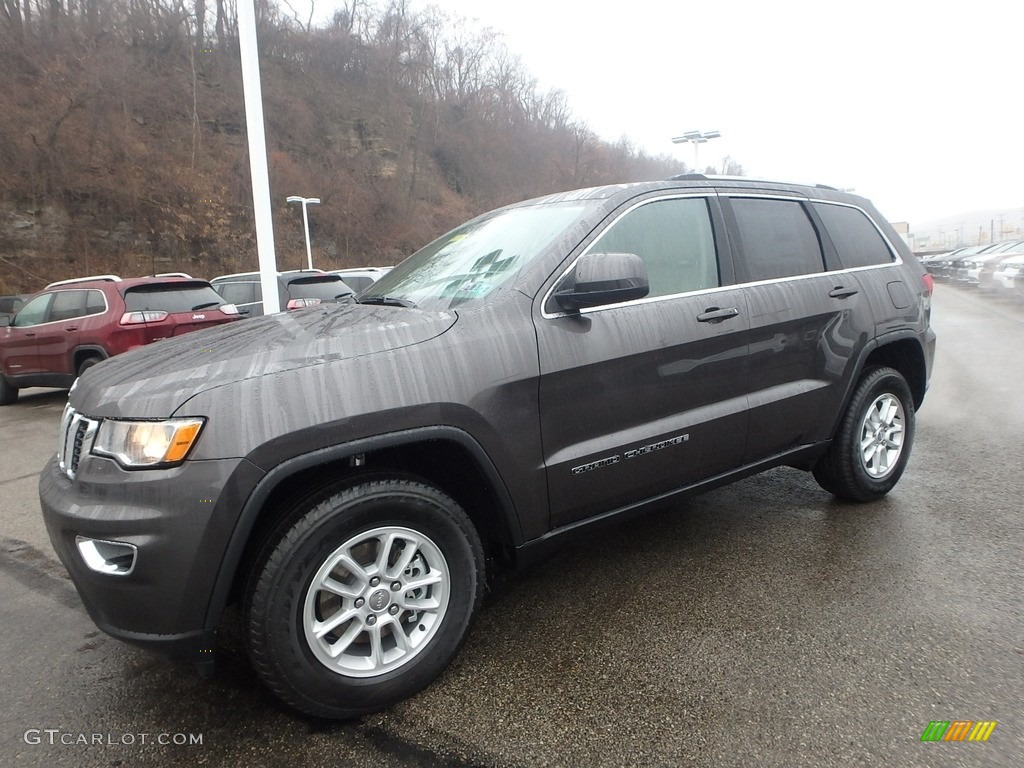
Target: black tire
[285, 601]
[88, 363]
[8, 393]
[844, 470]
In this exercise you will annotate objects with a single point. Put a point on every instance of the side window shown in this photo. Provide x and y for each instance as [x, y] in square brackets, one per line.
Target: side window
[237, 293]
[34, 312]
[67, 305]
[675, 240]
[857, 241]
[777, 239]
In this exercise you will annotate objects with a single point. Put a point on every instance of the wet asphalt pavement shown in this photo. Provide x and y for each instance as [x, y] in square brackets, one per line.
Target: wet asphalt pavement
[761, 624]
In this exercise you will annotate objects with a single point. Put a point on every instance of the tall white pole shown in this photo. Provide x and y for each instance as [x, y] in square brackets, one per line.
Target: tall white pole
[253, 95]
[305, 225]
[306, 201]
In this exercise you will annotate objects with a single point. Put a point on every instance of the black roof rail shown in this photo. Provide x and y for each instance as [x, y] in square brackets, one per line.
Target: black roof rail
[689, 177]
[827, 186]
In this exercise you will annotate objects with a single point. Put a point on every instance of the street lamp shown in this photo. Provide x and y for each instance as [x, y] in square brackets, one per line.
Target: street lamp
[696, 138]
[305, 221]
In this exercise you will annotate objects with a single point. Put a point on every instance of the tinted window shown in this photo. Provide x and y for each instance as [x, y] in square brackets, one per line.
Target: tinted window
[34, 312]
[675, 240]
[777, 240]
[325, 288]
[239, 293]
[95, 303]
[67, 305]
[172, 297]
[857, 241]
[10, 303]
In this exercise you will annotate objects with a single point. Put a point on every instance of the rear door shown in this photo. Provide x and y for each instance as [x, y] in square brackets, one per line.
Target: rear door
[643, 397]
[808, 319]
[63, 331]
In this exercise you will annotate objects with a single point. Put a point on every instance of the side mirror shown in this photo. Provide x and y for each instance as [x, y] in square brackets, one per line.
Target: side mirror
[604, 278]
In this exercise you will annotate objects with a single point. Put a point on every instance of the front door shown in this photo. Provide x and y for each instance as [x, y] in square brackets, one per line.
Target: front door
[640, 398]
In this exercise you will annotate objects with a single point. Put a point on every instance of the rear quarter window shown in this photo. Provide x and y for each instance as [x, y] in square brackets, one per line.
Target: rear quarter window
[858, 242]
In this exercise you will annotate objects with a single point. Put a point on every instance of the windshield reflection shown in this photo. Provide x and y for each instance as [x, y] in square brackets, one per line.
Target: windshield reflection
[472, 261]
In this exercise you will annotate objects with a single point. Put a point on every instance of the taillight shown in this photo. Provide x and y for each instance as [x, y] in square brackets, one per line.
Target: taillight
[228, 309]
[146, 316]
[300, 303]
[929, 283]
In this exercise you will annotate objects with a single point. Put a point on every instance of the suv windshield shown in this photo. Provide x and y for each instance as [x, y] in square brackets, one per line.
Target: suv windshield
[172, 297]
[473, 260]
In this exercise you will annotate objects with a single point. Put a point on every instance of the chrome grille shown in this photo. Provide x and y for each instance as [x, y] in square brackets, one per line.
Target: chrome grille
[76, 436]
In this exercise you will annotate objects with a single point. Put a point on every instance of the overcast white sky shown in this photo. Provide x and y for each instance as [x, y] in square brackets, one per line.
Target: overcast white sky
[916, 105]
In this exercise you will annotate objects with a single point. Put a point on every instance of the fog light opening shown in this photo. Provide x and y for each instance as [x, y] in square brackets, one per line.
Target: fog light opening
[111, 557]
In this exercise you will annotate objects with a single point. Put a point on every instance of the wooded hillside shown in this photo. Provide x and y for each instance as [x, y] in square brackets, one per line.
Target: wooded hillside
[123, 149]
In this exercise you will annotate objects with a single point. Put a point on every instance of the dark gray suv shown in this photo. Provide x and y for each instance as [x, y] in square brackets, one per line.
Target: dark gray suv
[346, 473]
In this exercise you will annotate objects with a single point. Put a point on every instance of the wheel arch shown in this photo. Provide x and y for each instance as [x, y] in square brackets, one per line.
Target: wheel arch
[905, 355]
[86, 351]
[901, 351]
[447, 457]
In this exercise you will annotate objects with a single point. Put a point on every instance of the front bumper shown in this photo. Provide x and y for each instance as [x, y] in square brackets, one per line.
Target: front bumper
[179, 520]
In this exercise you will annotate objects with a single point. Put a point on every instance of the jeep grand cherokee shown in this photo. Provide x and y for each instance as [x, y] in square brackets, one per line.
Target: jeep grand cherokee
[347, 472]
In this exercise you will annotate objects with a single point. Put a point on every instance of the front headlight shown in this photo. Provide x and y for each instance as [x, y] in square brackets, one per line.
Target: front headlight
[147, 443]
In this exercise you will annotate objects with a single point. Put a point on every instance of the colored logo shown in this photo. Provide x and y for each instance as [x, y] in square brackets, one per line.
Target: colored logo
[958, 730]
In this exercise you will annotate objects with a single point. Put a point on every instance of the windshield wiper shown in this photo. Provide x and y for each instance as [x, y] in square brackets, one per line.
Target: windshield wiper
[207, 304]
[390, 301]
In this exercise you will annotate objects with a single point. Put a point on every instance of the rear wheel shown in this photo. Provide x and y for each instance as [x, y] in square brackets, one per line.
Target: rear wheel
[8, 392]
[361, 599]
[872, 446]
[87, 363]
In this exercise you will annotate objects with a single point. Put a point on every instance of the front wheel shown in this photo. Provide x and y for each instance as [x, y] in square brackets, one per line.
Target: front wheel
[872, 446]
[362, 599]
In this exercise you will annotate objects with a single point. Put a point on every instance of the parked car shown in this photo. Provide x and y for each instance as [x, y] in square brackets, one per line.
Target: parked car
[972, 260]
[296, 290]
[1005, 277]
[11, 304]
[74, 324]
[351, 474]
[981, 268]
[946, 267]
[360, 279]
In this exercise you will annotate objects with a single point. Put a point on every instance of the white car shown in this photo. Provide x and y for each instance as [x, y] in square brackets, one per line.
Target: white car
[981, 268]
[1010, 269]
[363, 277]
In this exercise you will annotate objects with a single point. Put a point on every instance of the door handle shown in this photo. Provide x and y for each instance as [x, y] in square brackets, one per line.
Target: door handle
[72, 328]
[842, 292]
[717, 314]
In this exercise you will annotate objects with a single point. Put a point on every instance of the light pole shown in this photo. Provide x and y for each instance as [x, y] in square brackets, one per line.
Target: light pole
[696, 138]
[305, 221]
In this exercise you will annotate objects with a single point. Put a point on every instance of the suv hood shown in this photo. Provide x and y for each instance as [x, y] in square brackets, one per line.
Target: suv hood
[152, 381]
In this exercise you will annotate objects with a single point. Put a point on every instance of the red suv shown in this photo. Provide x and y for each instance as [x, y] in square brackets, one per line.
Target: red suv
[74, 324]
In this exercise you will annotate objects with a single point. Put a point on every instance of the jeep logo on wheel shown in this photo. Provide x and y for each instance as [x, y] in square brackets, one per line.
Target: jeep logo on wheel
[379, 600]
